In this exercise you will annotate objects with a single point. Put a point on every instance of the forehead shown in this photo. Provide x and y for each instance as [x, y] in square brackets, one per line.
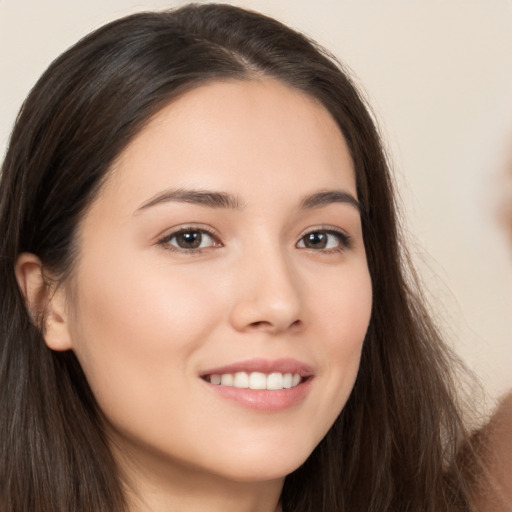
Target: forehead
[236, 136]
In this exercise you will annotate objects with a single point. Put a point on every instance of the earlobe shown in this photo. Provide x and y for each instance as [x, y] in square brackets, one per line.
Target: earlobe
[45, 302]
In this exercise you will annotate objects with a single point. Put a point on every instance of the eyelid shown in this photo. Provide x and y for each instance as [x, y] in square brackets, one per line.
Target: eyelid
[345, 238]
[175, 231]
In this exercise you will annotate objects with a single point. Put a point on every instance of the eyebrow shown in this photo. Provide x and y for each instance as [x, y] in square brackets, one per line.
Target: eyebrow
[327, 197]
[212, 199]
[201, 197]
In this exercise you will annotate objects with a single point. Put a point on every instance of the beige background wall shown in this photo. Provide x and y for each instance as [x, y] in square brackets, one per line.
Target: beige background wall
[439, 75]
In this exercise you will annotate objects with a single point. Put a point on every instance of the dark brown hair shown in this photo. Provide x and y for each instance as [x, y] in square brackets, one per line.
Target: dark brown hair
[392, 447]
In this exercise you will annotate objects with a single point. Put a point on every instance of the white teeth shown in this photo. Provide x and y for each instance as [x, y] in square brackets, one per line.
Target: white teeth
[275, 381]
[257, 380]
[241, 380]
[215, 379]
[226, 379]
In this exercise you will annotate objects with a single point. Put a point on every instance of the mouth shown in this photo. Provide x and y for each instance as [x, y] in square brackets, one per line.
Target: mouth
[256, 380]
[261, 384]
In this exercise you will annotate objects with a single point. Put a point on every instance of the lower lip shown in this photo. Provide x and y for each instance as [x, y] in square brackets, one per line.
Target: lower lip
[264, 400]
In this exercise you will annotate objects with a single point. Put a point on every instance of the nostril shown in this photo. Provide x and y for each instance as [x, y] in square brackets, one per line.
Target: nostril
[273, 316]
[259, 324]
[275, 326]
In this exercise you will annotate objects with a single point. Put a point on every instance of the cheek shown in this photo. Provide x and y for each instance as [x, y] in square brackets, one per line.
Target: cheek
[135, 327]
[344, 314]
[344, 307]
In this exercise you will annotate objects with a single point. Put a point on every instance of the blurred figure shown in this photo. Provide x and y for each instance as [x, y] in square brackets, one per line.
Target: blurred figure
[495, 440]
[496, 445]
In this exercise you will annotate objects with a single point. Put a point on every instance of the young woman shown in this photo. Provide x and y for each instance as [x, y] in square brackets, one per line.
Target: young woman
[204, 301]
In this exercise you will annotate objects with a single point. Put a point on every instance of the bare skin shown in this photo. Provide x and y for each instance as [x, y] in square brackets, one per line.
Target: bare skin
[260, 176]
[496, 444]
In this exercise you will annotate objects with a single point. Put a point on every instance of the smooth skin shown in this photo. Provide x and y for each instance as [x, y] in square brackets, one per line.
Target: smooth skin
[271, 265]
[495, 440]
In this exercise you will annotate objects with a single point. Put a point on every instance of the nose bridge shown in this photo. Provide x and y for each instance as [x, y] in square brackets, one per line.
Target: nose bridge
[268, 293]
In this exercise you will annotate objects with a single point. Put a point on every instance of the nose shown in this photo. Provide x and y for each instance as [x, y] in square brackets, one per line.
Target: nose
[268, 296]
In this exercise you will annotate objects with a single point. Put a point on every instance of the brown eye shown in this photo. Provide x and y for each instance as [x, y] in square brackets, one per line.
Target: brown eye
[315, 240]
[190, 240]
[323, 240]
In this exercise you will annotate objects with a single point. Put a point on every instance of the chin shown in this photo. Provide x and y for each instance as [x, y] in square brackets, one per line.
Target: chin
[264, 465]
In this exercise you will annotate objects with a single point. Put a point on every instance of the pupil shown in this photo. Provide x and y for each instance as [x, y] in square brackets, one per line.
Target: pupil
[316, 240]
[189, 239]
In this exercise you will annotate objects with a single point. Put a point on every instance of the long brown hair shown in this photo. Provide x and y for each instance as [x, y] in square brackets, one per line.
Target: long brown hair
[392, 444]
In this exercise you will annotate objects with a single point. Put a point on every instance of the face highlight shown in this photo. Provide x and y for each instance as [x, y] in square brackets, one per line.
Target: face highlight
[221, 295]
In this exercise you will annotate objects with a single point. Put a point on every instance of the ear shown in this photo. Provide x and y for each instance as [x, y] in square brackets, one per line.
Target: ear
[45, 301]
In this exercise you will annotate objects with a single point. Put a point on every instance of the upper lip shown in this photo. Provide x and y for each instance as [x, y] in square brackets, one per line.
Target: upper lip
[264, 366]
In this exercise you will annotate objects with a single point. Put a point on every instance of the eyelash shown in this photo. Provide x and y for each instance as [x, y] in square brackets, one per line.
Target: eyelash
[344, 240]
[164, 241]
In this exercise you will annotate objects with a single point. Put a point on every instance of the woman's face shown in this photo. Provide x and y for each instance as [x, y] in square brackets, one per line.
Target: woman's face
[225, 245]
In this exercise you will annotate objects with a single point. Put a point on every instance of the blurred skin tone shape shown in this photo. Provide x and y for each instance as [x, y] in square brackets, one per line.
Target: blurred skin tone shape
[495, 439]
[497, 452]
[223, 251]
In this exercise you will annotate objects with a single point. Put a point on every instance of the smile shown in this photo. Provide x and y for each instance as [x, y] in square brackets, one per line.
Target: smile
[256, 380]
[262, 385]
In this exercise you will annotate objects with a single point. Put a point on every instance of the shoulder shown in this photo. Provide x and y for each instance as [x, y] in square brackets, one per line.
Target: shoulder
[496, 451]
